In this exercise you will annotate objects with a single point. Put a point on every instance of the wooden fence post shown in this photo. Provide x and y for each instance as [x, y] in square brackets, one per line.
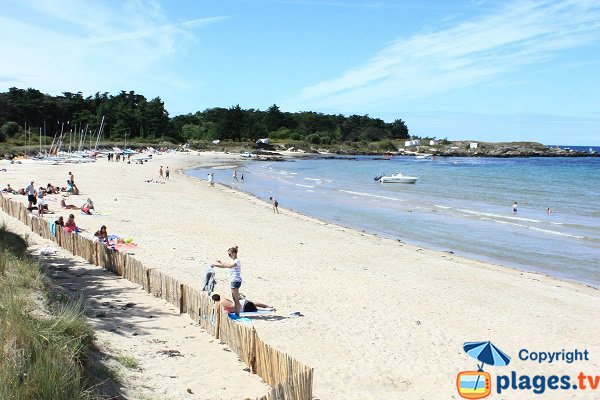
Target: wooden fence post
[149, 290]
[253, 351]
[181, 296]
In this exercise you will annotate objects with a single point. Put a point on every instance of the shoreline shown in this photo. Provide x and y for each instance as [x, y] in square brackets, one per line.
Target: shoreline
[409, 309]
[428, 246]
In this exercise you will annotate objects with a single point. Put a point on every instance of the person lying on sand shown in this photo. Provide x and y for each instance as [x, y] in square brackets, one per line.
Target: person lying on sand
[245, 304]
[64, 204]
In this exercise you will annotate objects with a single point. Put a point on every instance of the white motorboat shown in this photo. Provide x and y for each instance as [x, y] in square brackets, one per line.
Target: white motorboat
[424, 156]
[398, 177]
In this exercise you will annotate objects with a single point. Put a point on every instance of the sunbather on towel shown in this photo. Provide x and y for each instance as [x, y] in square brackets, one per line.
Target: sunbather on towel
[64, 204]
[245, 304]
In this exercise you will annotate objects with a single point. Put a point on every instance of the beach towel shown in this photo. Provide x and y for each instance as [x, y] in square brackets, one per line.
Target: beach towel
[52, 229]
[209, 280]
[257, 313]
[124, 247]
[243, 320]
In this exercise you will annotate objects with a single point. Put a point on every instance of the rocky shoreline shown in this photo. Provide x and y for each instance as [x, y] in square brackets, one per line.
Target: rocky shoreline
[481, 149]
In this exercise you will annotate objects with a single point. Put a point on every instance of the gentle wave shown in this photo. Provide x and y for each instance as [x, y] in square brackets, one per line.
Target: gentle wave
[497, 216]
[370, 195]
[538, 229]
[308, 186]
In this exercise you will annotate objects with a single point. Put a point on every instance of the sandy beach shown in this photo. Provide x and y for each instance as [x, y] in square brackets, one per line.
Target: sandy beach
[381, 319]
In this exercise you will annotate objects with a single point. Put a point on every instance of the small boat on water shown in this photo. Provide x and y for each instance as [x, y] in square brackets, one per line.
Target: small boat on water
[398, 177]
[424, 156]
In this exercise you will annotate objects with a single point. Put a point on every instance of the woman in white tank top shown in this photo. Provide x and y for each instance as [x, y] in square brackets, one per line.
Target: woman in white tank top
[235, 275]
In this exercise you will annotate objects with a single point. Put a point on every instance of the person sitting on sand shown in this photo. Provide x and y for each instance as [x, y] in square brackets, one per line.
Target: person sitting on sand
[102, 235]
[64, 204]
[60, 222]
[245, 304]
[8, 189]
[88, 206]
[52, 189]
[70, 225]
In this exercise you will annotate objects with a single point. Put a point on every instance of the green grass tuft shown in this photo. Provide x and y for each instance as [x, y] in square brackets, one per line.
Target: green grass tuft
[40, 357]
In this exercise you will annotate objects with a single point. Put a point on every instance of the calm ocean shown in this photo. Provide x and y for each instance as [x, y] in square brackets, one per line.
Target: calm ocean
[462, 205]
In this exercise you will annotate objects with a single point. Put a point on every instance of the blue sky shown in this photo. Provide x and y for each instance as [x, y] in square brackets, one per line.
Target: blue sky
[479, 70]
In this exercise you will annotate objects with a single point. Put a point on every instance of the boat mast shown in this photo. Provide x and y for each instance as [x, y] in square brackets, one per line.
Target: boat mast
[99, 133]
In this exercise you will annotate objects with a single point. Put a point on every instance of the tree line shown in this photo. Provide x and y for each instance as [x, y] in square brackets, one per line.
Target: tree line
[129, 115]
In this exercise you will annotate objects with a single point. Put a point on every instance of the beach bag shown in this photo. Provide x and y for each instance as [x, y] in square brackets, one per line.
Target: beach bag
[209, 280]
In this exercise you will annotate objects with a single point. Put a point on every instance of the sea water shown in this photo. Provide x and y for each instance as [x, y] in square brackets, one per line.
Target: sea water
[463, 205]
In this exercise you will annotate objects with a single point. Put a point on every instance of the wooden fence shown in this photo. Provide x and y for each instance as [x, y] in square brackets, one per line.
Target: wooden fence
[288, 378]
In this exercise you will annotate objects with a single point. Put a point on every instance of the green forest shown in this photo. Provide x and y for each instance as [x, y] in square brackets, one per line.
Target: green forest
[130, 116]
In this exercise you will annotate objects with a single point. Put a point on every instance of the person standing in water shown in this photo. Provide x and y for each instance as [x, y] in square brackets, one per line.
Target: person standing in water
[515, 207]
[235, 178]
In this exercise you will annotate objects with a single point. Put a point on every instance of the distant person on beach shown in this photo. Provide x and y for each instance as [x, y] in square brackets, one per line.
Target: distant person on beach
[235, 178]
[88, 206]
[235, 276]
[52, 189]
[60, 222]
[30, 190]
[275, 204]
[242, 178]
[167, 173]
[102, 235]
[64, 204]
[245, 304]
[211, 179]
[71, 177]
[8, 189]
[160, 172]
[549, 210]
[40, 202]
[515, 207]
[70, 225]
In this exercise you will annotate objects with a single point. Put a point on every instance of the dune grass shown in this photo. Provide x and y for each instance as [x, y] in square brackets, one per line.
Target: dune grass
[41, 353]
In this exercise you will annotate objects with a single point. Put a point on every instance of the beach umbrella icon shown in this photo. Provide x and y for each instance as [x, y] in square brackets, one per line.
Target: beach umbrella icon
[487, 353]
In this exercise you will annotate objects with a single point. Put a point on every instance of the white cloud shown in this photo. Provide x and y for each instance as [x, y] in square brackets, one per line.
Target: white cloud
[93, 46]
[467, 54]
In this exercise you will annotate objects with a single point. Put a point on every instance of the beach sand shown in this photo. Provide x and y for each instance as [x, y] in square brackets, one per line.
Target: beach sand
[381, 319]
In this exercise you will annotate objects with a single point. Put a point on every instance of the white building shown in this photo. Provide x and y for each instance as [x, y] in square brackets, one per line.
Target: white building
[434, 142]
[410, 143]
[473, 145]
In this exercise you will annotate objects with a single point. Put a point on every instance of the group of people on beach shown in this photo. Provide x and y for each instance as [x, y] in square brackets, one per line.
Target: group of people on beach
[164, 174]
